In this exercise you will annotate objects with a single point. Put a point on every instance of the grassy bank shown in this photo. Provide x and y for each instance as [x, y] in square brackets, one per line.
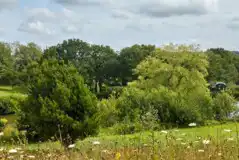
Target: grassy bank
[212, 142]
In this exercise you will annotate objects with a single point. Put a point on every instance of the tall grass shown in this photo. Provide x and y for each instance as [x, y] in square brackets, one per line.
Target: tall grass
[212, 142]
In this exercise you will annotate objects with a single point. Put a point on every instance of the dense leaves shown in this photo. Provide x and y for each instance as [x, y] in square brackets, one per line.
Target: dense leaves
[59, 104]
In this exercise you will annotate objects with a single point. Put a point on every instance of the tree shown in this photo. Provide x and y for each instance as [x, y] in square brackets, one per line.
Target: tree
[96, 63]
[59, 105]
[25, 56]
[6, 64]
[223, 65]
[172, 81]
[130, 57]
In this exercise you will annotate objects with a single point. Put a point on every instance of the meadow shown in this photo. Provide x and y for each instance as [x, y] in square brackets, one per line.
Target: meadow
[208, 142]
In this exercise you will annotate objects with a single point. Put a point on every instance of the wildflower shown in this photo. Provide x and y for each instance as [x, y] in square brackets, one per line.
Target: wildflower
[188, 147]
[96, 143]
[18, 149]
[1, 149]
[196, 141]
[201, 150]
[176, 130]
[192, 124]
[12, 151]
[71, 146]
[219, 154]
[165, 132]
[183, 143]
[145, 145]
[227, 130]
[105, 151]
[230, 139]
[183, 134]
[205, 141]
[117, 156]
[1, 133]
[32, 157]
[179, 139]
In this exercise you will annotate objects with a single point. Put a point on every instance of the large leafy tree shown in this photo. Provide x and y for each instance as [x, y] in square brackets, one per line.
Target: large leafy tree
[96, 63]
[172, 81]
[224, 65]
[59, 104]
[129, 58]
[25, 56]
[6, 64]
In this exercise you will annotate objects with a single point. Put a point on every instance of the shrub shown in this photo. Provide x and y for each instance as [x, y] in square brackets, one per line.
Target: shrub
[59, 105]
[223, 105]
[10, 104]
[10, 133]
[3, 122]
[108, 114]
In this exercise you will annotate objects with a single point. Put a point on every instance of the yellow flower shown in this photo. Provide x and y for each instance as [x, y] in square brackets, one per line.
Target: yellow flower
[117, 156]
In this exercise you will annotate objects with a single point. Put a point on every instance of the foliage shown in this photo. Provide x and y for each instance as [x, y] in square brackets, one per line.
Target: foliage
[59, 105]
[10, 133]
[108, 115]
[6, 64]
[3, 122]
[223, 105]
[224, 65]
[10, 104]
[173, 83]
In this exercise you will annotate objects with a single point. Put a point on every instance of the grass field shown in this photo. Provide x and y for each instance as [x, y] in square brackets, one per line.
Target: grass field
[219, 142]
[191, 143]
[8, 91]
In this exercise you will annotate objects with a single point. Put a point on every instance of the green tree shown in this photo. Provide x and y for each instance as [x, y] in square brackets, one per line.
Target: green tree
[6, 64]
[223, 65]
[25, 56]
[129, 58]
[59, 105]
[172, 81]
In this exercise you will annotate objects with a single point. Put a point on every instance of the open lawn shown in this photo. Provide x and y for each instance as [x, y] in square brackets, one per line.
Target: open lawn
[8, 91]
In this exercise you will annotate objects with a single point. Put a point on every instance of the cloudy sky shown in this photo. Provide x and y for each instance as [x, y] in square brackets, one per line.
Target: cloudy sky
[210, 23]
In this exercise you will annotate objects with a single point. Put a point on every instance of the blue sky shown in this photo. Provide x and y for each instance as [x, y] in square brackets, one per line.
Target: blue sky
[210, 23]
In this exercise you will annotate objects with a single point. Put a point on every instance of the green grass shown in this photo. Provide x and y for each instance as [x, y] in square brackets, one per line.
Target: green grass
[8, 91]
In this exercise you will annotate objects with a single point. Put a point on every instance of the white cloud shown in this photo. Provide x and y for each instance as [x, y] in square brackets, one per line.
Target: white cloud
[70, 29]
[35, 27]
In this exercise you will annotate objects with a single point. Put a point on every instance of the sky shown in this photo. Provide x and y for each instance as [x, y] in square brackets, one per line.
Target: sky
[210, 23]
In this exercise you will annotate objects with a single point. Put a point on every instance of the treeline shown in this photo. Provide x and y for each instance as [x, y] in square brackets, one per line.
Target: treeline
[75, 87]
[103, 68]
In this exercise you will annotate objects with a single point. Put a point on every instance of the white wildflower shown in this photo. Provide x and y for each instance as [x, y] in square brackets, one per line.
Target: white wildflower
[32, 157]
[176, 130]
[1, 133]
[18, 149]
[230, 139]
[96, 143]
[183, 143]
[201, 150]
[227, 130]
[12, 151]
[179, 139]
[71, 146]
[196, 141]
[183, 134]
[205, 141]
[192, 124]
[219, 154]
[165, 132]
[188, 147]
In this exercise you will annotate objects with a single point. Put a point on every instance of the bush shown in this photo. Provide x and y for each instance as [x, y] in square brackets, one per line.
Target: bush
[223, 105]
[3, 122]
[108, 114]
[10, 104]
[59, 105]
[10, 133]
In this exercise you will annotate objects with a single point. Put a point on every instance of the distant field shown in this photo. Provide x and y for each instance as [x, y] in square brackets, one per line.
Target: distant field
[8, 91]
